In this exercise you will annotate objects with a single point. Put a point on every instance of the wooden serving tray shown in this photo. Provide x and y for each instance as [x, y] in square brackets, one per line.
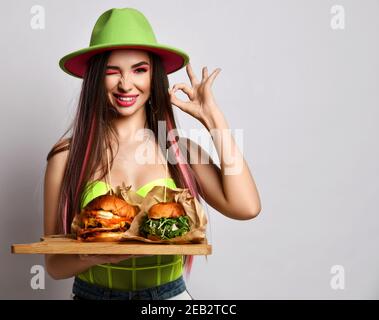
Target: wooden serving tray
[66, 244]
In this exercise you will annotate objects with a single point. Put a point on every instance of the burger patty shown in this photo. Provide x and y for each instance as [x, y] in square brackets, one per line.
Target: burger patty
[102, 223]
[103, 219]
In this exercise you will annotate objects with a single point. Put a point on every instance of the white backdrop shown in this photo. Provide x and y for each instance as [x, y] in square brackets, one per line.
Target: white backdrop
[306, 96]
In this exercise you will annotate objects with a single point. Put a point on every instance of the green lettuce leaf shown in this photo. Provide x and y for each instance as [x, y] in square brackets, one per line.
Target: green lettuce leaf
[165, 228]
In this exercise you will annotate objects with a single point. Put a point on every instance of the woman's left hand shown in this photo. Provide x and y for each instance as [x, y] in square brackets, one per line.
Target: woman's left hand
[201, 104]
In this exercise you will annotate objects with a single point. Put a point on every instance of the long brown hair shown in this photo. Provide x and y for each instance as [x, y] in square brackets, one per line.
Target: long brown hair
[92, 133]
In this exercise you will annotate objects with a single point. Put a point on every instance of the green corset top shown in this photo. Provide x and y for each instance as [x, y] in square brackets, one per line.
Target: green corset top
[135, 273]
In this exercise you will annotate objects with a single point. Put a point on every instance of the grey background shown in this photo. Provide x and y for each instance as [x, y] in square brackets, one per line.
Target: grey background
[306, 97]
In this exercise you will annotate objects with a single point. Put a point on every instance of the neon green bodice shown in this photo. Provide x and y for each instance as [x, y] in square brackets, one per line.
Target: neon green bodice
[135, 273]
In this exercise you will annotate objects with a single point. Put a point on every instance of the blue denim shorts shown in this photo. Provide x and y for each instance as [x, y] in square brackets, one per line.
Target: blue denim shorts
[86, 291]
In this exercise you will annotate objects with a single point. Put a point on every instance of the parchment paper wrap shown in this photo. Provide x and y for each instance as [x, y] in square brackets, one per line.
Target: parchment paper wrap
[129, 195]
[192, 208]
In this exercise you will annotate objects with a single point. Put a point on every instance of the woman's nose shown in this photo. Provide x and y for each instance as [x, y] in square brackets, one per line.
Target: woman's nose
[125, 82]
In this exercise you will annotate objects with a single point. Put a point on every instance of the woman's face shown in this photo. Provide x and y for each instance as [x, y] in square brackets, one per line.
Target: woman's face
[128, 80]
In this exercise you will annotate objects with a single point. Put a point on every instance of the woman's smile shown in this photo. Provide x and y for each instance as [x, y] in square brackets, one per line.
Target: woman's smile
[125, 100]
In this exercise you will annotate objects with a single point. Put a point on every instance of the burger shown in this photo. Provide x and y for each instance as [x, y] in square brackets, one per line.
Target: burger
[105, 218]
[164, 221]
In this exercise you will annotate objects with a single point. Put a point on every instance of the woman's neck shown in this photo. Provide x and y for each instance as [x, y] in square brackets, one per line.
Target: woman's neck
[128, 126]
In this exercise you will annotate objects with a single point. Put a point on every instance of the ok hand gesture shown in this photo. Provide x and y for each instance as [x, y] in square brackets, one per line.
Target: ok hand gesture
[201, 104]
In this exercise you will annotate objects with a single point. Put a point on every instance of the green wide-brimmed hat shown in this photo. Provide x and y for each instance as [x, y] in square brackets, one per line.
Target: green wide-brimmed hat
[124, 28]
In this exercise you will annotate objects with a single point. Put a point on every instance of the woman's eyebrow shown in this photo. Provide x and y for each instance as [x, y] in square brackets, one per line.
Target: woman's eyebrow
[133, 66]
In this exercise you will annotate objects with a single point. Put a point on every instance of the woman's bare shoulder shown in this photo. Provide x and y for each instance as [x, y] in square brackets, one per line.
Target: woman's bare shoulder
[62, 146]
[56, 164]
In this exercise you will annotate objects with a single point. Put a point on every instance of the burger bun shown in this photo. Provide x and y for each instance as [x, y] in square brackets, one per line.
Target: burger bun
[113, 204]
[108, 236]
[166, 210]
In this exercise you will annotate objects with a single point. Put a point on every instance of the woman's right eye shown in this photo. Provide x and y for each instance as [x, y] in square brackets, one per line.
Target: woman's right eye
[109, 72]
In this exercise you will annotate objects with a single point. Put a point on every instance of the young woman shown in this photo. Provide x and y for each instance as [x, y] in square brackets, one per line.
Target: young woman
[125, 90]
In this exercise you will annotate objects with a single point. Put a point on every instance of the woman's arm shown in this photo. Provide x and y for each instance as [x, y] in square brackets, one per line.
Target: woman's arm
[61, 266]
[230, 189]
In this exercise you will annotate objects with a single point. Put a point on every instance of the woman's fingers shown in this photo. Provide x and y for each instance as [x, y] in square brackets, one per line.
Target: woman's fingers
[213, 76]
[176, 101]
[185, 88]
[191, 75]
[196, 93]
[204, 74]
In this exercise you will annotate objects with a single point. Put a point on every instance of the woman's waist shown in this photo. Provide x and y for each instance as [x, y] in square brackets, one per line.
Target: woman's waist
[85, 290]
[136, 273]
